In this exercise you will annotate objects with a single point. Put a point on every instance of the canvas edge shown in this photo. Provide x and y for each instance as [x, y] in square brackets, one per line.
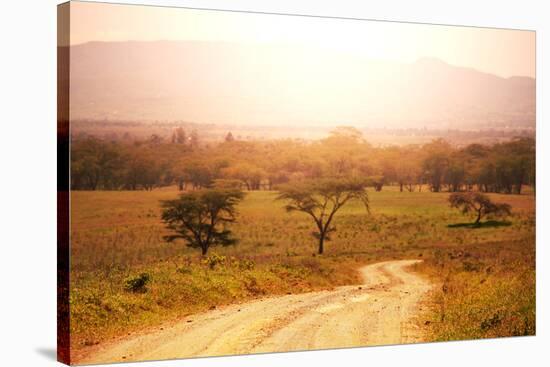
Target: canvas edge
[63, 184]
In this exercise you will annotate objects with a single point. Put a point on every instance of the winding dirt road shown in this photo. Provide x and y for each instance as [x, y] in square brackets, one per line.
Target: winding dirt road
[378, 312]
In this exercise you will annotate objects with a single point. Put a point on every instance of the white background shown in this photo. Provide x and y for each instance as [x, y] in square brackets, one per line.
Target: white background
[28, 183]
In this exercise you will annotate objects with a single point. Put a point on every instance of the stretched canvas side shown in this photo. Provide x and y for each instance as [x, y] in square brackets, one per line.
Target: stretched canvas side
[63, 184]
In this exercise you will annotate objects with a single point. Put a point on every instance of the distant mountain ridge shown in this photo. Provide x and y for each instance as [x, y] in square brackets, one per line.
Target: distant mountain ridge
[217, 82]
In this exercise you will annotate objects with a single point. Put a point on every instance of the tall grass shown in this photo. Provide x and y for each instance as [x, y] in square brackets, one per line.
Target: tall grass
[483, 291]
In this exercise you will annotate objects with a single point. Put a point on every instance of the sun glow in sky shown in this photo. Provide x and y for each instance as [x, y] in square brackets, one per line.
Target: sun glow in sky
[498, 51]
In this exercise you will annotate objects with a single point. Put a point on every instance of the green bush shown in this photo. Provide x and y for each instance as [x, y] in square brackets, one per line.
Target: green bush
[137, 284]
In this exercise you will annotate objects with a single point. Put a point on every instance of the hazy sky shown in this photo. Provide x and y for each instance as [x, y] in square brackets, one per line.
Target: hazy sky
[502, 52]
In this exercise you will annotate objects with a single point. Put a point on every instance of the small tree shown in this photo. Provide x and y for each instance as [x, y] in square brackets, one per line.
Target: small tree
[377, 182]
[321, 199]
[229, 137]
[200, 217]
[478, 203]
[194, 139]
[180, 137]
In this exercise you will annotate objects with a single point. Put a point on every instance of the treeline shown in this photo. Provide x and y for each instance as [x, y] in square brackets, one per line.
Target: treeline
[183, 161]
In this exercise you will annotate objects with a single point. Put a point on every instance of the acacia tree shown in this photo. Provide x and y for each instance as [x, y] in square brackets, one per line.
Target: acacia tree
[478, 203]
[200, 217]
[321, 199]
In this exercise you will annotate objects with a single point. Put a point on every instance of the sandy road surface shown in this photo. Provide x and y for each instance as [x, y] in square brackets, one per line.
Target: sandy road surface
[375, 313]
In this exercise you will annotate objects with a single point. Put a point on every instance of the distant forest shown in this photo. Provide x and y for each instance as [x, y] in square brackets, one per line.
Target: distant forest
[184, 160]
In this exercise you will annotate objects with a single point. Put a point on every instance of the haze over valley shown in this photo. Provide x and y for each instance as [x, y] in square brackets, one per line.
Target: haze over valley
[277, 85]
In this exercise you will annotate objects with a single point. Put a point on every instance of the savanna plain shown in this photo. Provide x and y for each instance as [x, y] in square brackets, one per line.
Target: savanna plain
[128, 281]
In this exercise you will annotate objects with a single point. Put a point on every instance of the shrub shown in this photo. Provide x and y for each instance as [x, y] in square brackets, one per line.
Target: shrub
[137, 284]
[214, 260]
[246, 264]
[184, 270]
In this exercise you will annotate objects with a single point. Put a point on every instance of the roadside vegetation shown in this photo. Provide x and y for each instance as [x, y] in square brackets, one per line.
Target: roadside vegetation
[482, 291]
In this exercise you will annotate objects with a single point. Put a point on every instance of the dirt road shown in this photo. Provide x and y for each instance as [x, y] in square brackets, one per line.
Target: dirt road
[375, 313]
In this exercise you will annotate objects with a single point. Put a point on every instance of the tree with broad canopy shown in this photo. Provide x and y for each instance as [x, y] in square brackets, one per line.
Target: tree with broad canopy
[321, 199]
[478, 203]
[200, 217]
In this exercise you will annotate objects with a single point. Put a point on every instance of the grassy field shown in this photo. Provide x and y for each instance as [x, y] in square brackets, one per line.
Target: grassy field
[485, 276]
